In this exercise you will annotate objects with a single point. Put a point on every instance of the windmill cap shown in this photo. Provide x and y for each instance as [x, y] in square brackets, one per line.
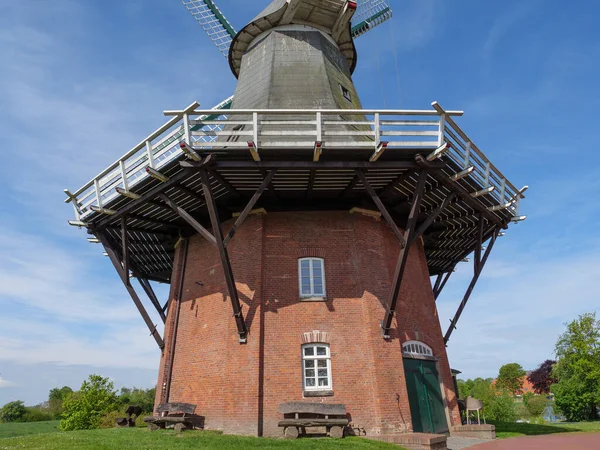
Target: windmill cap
[333, 18]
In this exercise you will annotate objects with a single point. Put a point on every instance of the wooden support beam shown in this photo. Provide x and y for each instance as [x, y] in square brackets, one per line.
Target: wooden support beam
[189, 219]
[125, 247]
[135, 204]
[384, 212]
[477, 273]
[470, 201]
[112, 254]
[391, 188]
[147, 287]
[225, 261]
[240, 220]
[430, 219]
[311, 183]
[477, 252]
[182, 266]
[443, 278]
[267, 165]
[217, 176]
[398, 276]
[350, 187]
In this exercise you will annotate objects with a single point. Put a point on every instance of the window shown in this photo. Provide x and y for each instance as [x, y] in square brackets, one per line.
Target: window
[316, 367]
[311, 277]
[346, 93]
[416, 348]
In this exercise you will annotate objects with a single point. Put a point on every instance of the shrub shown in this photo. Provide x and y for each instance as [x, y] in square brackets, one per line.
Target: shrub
[500, 407]
[36, 414]
[13, 412]
[536, 405]
[83, 410]
[108, 419]
[522, 411]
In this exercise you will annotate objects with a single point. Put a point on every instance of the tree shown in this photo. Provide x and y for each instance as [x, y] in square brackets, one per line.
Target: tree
[13, 412]
[500, 406]
[144, 398]
[511, 378]
[477, 388]
[56, 397]
[84, 409]
[577, 392]
[541, 378]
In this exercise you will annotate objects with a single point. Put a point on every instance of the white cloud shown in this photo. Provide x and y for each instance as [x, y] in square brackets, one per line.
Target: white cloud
[504, 24]
[518, 316]
[5, 383]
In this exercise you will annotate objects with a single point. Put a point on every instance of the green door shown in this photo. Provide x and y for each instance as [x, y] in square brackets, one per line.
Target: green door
[424, 396]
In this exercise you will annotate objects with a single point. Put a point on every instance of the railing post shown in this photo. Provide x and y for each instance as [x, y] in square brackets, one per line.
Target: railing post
[377, 127]
[255, 128]
[98, 193]
[467, 155]
[319, 127]
[502, 191]
[442, 129]
[186, 129]
[124, 175]
[486, 179]
[150, 154]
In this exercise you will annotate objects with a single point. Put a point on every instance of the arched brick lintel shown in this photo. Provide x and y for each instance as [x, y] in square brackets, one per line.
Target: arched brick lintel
[316, 336]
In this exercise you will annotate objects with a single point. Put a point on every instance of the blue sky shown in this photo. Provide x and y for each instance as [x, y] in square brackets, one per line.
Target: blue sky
[83, 81]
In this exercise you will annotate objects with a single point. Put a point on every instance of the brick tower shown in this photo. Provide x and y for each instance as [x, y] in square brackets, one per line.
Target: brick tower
[317, 223]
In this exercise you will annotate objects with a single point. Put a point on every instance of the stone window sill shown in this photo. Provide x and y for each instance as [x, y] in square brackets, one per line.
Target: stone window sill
[318, 393]
[313, 299]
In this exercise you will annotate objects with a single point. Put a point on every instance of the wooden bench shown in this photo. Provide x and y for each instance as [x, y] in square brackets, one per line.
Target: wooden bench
[298, 416]
[176, 414]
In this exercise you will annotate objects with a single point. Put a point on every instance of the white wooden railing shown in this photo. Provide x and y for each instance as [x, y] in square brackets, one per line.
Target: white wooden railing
[434, 131]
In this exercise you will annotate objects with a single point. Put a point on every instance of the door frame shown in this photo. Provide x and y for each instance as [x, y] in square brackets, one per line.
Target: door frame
[436, 360]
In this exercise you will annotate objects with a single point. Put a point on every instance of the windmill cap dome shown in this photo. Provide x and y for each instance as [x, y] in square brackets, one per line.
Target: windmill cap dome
[332, 17]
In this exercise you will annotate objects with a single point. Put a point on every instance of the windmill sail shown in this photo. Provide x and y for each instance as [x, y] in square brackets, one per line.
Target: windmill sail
[213, 22]
[369, 14]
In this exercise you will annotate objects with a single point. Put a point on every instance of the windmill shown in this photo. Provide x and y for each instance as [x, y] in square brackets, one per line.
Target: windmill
[369, 14]
[336, 217]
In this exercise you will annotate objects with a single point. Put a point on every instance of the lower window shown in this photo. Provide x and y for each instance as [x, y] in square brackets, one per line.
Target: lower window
[316, 367]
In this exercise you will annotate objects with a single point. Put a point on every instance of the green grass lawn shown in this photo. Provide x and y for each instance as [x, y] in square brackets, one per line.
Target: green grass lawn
[508, 430]
[22, 429]
[140, 438]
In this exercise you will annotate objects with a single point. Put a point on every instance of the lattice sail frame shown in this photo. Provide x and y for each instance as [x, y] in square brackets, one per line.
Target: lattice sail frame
[369, 14]
[213, 22]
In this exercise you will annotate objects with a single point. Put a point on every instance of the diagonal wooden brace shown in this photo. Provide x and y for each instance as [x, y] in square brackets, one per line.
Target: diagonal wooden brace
[147, 287]
[441, 283]
[411, 234]
[477, 272]
[112, 254]
[382, 208]
[398, 276]
[240, 220]
[189, 219]
[223, 254]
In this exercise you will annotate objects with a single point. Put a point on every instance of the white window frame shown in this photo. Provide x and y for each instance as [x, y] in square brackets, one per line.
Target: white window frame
[315, 359]
[312, 287]
[417, 348]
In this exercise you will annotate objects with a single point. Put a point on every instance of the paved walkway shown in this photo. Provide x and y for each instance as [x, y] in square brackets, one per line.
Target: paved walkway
[567, 441]
[458, 443]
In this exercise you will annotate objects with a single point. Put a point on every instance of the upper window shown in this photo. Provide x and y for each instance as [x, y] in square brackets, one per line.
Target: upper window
[346, 93]
[416, 348]
[316, 365]
[311, 277]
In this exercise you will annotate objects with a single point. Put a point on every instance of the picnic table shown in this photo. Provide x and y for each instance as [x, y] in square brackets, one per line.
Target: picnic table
[299, 415]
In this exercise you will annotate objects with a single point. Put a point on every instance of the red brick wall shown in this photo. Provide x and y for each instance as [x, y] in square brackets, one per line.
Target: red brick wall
[238, 388]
